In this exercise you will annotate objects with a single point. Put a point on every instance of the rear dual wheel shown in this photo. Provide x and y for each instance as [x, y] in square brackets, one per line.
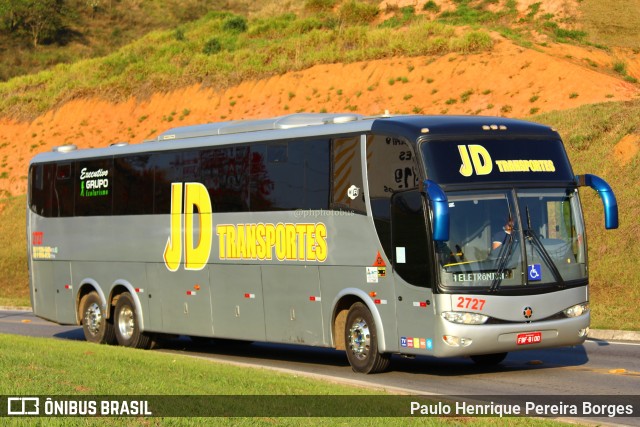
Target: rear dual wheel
[127, 329]
[95, 325]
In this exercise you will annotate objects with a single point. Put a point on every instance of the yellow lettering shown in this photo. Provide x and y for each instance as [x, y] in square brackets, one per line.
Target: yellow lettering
[301, 234]
[242, 244]
[270, 240]
[261, 232]
[481, 159]
[526, 165]
[311, 242]
[251, 241]
[231, 243]
[221, 230]
[290, 242]
[321, 242]
[465, 169]
[281, 242]
[173, 249]
[550, 166]
[197, 249]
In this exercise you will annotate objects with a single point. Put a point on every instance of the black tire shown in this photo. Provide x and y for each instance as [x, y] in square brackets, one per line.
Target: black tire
[95, 325]
[488, 359]
[126, 325]
[361, 340]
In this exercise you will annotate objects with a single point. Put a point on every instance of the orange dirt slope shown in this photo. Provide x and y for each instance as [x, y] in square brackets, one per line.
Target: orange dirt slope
[509, 81]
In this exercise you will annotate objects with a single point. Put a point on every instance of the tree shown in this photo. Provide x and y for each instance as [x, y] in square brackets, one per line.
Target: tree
[11, 14]
[42, 18]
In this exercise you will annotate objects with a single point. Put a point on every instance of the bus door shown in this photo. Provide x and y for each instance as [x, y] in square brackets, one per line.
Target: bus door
[412, 272]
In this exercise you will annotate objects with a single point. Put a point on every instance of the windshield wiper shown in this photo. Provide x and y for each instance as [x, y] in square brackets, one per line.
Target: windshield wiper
[503, 258]
[504, 255]
[531, 236]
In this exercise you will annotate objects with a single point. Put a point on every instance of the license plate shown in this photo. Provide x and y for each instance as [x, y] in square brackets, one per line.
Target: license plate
[529, 338]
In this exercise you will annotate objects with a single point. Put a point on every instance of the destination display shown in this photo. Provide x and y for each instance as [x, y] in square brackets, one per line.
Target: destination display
[458, 162]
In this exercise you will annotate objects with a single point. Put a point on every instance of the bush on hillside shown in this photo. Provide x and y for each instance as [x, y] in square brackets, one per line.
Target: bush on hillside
[235, 24]
[212, 46]
[357, 13]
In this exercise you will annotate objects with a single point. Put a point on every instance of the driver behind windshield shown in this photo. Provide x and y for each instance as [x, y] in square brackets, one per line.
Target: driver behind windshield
[501, 236]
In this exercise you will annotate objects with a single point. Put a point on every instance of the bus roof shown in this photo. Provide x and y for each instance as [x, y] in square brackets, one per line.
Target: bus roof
[308, 125]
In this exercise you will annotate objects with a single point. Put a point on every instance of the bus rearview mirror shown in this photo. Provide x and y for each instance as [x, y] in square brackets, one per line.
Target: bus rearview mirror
[606, 194]
[440, 210]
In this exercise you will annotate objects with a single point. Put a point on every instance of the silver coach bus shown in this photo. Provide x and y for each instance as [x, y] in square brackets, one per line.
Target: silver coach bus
[412, 235]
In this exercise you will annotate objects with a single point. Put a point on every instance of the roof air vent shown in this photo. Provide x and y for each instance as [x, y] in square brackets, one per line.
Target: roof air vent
[64, 148]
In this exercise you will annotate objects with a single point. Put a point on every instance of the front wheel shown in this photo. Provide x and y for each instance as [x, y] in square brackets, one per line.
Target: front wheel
[127, 330]
[95, 325]
[362, 342]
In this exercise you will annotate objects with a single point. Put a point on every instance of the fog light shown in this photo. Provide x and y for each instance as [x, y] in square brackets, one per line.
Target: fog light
[583, 332]
[456, 341]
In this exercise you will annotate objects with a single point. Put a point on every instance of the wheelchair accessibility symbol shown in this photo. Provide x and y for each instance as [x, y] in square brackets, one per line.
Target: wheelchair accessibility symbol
[535, 272]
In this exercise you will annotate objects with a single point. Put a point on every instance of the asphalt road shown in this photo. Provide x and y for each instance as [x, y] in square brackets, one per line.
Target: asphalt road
[610, 369]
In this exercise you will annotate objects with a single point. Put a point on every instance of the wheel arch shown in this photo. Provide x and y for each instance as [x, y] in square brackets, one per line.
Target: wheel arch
[341, 305]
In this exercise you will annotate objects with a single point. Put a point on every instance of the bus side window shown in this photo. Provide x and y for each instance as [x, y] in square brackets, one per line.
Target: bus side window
[63, 200]
[133, 186]
[225, 173]
[317, 173]
[287, 175]
[167, 168]
[42, 179]
[346, 184]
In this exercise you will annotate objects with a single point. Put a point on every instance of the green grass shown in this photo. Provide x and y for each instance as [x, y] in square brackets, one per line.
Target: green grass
[51, 367]
[88, 33]
[611, 23]
[210, 53]
[14, 279]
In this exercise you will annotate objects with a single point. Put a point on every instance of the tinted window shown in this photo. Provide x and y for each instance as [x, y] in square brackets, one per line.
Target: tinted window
[290, 175]
[317, 173]
[347, 189]
[42, 179]
[133, 185]
[225, 173]
[168, 168]
[63, 197]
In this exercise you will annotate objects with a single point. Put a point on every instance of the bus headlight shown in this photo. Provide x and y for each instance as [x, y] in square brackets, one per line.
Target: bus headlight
[465, 318]
[577, 310]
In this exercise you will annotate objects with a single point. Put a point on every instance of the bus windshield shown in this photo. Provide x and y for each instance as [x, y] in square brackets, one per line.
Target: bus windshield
[513, 238]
